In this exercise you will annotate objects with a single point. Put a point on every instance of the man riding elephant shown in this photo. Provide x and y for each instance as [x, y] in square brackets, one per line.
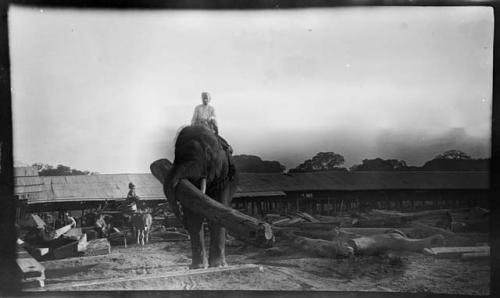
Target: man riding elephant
[204, 115]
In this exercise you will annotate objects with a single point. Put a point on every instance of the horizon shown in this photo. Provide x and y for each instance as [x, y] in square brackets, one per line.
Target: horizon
[107, 91]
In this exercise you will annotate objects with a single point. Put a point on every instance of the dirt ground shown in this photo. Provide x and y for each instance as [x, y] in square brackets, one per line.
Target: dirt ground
[135, 268]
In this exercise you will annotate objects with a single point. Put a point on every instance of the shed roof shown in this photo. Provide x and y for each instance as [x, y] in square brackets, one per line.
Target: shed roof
[115, 186]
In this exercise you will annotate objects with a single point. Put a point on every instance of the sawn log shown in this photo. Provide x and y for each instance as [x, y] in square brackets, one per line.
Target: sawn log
[393, 241]
[247, 227]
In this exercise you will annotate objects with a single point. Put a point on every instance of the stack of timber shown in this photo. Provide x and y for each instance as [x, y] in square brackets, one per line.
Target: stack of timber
[370, 234]
[32, 272]
[97, 247]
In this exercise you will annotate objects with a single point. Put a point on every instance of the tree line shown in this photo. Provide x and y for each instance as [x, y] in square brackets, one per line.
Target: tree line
[451, 160]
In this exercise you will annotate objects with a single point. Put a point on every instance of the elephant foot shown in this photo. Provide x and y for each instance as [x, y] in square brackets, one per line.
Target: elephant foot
[217, 263]
[197, 266]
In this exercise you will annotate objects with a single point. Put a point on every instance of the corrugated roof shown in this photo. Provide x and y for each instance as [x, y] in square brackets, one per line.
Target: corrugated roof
[115, 186]
[106, 186]
[335, 180]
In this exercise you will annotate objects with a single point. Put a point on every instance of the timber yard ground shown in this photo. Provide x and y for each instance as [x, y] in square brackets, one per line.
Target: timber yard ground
[162, 265]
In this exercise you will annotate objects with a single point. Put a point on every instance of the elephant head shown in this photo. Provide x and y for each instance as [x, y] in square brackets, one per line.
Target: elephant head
[201, 158]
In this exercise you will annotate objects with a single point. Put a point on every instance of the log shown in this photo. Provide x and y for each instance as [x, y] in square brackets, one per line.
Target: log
[247, 227]
[311, 225]
[323, 248]
[393, 241]
[431, 230]
[287, 222]
[325, 235]
[381, 222]
[305, 216]
[280, 221]
[376, 231]
[416, 215]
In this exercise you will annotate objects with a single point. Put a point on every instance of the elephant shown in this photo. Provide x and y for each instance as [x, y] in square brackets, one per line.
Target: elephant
[202, 157]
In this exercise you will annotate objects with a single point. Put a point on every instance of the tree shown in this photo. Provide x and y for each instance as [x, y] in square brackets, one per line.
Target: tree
[60, 170]
[323, 161]
[455, 160]
[453, 154]
[254, 164]
[379, 164]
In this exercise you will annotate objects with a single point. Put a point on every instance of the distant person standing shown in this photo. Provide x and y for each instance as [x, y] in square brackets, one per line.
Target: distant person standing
[132, 198]
[204, 114]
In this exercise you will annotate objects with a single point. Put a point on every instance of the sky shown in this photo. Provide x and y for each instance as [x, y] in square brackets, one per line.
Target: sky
[108, 90]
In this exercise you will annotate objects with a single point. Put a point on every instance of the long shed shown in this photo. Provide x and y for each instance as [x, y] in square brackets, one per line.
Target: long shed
[317, 192]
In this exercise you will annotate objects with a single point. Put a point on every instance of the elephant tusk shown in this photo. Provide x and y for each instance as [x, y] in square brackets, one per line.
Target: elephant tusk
[203, 186]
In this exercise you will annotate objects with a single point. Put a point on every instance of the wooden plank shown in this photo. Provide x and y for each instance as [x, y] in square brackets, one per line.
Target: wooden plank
[456, 252]
[181, 273]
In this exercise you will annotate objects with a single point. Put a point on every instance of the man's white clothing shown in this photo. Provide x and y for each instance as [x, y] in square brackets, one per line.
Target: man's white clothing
[203, 114]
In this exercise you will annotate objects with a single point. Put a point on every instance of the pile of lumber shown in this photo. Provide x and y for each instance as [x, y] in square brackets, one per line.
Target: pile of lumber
[60, 243]
[370, 234]
[97, 247]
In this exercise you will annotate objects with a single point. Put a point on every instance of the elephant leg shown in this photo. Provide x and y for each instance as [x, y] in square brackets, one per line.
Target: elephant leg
[195, 228]
[217, 255]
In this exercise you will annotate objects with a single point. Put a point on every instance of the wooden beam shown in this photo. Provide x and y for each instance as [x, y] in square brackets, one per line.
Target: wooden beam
[247, 227]
[455, 252]
[182, 273]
